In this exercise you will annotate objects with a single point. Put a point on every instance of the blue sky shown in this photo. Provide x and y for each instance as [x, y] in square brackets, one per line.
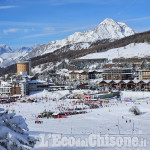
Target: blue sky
[27, 22]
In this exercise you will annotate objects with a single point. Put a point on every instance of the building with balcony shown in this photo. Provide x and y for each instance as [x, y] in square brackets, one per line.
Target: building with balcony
[142, 74]
[118, 74]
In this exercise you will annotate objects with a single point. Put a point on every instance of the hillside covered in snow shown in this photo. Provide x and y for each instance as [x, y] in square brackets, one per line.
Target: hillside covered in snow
[132, 50]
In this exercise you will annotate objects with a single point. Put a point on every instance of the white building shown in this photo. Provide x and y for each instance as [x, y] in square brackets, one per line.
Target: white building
[37, 85]
[27, 86]
[5, 89]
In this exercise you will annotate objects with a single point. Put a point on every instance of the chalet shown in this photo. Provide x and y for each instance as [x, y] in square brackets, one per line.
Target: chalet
[126, 84]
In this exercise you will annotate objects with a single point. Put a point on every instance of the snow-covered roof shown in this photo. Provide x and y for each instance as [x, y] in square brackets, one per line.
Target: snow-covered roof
[28, 76]
[117, 81]
[136, 81]
[79, 71]
[56, 113]
[107, 81]
[146, 81]
[97, 80]
[37, 81]
[126, 81]
[16, 95]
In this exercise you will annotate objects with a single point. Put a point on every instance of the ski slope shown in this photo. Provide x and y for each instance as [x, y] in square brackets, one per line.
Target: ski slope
[129, 51]
[97, 121]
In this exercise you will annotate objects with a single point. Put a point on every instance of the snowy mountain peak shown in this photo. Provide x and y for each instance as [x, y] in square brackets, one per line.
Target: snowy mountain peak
[108, 29]
[4, 49]
[108, 21]
[9, 56]
[111, 29]
[25, 48]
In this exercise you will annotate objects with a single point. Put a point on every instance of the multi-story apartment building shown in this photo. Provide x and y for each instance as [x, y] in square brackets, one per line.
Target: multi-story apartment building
[5, 89]
[142, 74]
[95, 74]
[118, 74]
[78, 76]
[16, 89]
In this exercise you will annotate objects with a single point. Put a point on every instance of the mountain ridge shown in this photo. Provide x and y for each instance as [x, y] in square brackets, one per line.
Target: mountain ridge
[108, 29]
[4, 49]
[10, 56]
[98, 47]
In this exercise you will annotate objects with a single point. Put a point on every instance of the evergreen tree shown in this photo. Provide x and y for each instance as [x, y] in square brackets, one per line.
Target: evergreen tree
[13, 135]
[144, 64]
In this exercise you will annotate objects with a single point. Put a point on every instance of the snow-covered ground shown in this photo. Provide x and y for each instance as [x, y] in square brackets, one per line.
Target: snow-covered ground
[135, 95]
[129, 51]
[97, 121]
